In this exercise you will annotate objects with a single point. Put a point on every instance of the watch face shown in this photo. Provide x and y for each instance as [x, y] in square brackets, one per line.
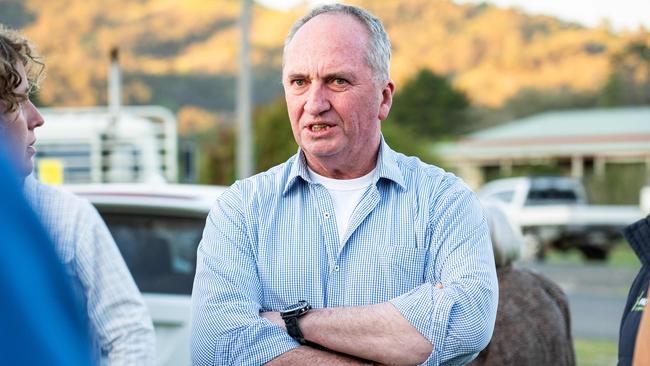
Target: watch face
[295, 310]
[295, 307]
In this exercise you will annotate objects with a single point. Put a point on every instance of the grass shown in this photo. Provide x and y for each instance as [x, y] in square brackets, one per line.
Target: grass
[621, 256]
[595, 352]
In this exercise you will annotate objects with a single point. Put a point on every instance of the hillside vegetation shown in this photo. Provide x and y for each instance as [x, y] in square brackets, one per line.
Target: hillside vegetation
[181, 53]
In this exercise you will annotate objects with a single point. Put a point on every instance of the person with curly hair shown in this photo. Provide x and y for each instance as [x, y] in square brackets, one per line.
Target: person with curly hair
[21, 72]
[120, 324]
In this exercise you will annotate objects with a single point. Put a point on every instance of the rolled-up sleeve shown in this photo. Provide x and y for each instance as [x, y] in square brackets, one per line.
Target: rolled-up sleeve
[226, 326]
[459, 318]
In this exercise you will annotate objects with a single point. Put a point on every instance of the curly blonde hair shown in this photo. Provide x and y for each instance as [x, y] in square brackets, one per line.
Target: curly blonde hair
[14, 49]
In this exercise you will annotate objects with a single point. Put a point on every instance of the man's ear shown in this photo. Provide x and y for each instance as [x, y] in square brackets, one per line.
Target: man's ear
[386, 100]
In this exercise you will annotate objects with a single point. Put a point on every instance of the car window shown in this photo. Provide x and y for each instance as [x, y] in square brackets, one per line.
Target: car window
[551, 196]
[503, 196]
[160, 251]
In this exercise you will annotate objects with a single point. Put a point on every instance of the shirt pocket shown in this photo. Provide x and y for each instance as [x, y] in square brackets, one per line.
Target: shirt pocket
[404, 268]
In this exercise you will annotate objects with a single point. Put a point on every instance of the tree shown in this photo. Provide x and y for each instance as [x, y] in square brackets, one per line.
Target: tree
[274, 142]
[629, 82]
[430, 106]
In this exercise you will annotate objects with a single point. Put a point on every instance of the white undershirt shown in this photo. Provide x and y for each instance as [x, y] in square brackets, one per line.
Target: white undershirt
[346, 194]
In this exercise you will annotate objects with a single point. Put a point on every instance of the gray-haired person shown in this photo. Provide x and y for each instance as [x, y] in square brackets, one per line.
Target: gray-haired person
[333, 258]
[533, 325]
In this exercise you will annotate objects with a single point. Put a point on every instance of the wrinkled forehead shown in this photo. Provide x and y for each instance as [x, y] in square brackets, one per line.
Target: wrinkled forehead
[331, 37]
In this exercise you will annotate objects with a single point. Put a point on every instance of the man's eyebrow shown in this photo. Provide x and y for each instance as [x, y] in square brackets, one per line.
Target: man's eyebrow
[296, 75]
[329, 76]
[339, 75]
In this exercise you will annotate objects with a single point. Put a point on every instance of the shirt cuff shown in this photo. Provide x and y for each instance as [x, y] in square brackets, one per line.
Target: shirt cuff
[256, 345]
[428, 311]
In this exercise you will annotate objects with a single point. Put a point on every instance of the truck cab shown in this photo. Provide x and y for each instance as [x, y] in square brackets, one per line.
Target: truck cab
[553, 212]
[95, 145]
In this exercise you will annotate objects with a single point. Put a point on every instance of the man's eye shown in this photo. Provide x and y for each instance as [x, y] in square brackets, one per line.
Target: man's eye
[299, 82]
[339, 81]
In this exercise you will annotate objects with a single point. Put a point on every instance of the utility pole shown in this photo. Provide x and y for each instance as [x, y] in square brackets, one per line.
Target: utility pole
[244, 135]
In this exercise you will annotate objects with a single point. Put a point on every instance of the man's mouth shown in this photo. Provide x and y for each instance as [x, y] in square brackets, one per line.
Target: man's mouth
[319, 127]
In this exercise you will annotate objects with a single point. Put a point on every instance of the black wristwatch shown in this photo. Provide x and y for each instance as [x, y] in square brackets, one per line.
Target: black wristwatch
[290, 315]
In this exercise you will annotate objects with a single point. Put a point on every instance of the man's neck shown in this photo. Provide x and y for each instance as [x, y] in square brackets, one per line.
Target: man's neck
[352, 169]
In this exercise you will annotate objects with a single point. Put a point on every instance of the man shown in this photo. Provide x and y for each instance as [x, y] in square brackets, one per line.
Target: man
[117, 315]
[359, 232]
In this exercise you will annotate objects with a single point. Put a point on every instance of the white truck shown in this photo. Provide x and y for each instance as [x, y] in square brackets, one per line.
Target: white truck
[137, 144]
[553, 212]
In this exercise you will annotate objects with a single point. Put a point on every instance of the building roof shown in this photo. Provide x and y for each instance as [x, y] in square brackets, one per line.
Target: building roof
[591, 132]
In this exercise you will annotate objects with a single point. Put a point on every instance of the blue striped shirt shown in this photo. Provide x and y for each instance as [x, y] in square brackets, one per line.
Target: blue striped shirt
[121, 325]
[271, 240]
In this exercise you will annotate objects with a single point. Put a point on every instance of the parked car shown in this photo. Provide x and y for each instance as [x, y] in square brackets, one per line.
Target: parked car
[553, 212]
[157, 229]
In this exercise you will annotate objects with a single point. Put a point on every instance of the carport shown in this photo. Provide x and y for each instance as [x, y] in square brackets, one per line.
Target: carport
[574, 139]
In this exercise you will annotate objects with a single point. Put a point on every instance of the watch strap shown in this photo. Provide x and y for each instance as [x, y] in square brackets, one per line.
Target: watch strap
[293, 329]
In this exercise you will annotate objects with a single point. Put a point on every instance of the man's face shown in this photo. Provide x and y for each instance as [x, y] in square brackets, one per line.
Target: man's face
[334, 103]
[20, 125]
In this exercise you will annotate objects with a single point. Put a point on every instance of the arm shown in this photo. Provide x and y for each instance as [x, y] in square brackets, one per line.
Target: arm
[116, 309]
[308, 356]
[374, 332]
[454, 322]
[227, 328]
[459, 319]
[226, 297]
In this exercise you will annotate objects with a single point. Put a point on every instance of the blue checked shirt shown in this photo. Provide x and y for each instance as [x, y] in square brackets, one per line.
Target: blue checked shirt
[271, 240]
[121, 326]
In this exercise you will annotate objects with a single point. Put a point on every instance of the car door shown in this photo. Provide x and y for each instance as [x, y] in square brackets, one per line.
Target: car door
[160, 251]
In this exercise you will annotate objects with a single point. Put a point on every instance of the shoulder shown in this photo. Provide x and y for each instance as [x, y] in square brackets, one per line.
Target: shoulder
[50, 198]
[67, 218]
[61, 210]
[419, 175]
[445, 194]
[265, 185]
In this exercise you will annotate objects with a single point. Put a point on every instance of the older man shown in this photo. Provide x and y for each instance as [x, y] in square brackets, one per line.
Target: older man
[119, 320]
[333, 257]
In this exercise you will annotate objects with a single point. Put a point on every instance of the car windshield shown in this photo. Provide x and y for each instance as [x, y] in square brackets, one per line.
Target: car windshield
[551, 196]
[160, 251]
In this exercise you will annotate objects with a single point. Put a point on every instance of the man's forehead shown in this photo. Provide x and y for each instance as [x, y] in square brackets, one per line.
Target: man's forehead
[334, 37]
[331, 26]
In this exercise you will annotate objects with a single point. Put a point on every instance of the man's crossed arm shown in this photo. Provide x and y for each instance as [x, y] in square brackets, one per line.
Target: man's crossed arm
[363, 335]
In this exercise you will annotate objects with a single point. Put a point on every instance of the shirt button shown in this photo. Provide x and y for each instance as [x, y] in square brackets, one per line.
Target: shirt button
[327, 215]
[336, 268]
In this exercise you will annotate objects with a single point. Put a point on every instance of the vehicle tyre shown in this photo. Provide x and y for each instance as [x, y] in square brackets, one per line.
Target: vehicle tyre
[593, 253]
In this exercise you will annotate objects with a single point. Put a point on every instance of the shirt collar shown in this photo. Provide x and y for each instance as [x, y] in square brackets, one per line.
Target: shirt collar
[387, 168]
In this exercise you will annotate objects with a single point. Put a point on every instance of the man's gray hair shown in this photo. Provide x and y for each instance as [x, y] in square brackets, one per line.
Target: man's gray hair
[379, 48]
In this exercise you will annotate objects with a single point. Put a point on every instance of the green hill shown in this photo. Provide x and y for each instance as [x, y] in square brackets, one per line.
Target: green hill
[181, 53]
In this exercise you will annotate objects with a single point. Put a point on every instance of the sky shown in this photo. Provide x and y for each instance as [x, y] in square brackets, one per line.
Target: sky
[622, 14]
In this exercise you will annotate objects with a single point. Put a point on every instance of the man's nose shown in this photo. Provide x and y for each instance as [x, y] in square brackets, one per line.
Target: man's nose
[317, 100]
[34, 117]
